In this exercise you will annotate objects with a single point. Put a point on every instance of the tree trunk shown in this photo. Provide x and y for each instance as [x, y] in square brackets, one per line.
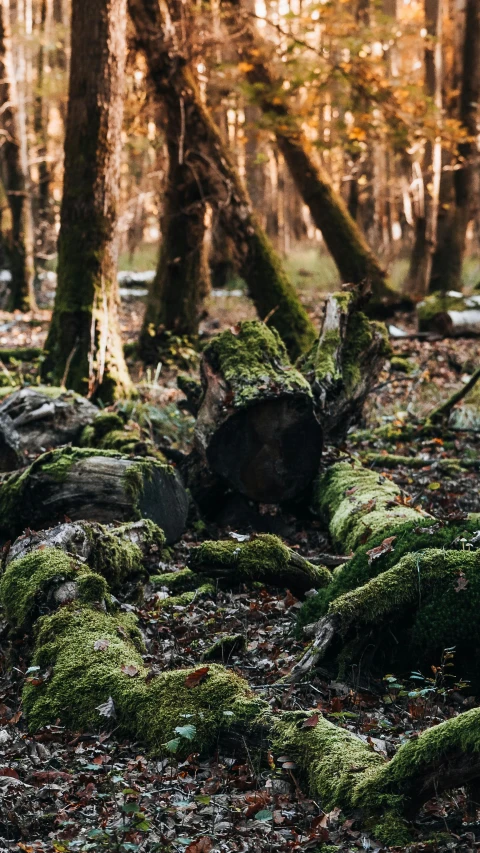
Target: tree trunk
[44, 212]
[83, 348]
[355, 261]
[256, 412]
[428, 199]
[92, 485]
[269, 287]
[15, 177]
[461, 185]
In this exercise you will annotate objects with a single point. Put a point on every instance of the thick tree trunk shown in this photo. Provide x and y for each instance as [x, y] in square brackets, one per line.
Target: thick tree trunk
[256, 412]
[355, 261]
[83, 348]
[93, 485]
[15, 177]
[269, 287]
[33, 420]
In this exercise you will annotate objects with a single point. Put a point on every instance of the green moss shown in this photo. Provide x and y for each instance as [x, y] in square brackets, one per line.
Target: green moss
[438, 303]
[221, 700]
[117, 557]
[225, 647]
[254, 362]
[410, 537]
[186, 598]
[182, 581]
[26, 582]
[82, 676]
[263, 558]
[359, 504]
[106, 422]
[402, 365]
[325, 357]
[359, 337]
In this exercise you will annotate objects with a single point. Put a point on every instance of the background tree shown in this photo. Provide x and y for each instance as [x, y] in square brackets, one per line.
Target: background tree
[83, 348]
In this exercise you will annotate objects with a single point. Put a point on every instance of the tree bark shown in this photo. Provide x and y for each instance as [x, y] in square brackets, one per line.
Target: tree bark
[92, 485]
[33, 420]
[269, 287]
[15, 178]
[256, 412]
[83, 348]
[355, 261]
[462, 185]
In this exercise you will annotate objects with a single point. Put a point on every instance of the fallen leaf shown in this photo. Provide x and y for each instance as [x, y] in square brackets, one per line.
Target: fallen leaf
[130, 669]
[462, 582]
[202, 845]
[107, 709]
[385, 548]
[193, 679]
[101, 645]
[311, 722]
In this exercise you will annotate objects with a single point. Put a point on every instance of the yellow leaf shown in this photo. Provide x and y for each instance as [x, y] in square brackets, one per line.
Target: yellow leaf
[245, 67]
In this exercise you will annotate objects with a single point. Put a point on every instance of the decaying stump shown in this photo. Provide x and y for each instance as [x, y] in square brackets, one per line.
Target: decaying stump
[345, 363]
[260, 558]
[256, 428]
[34, 420]
[94, 485]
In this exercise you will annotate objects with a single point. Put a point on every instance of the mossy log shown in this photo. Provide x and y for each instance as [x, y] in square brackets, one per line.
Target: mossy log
[345, 363]
[89, 667]
[450, 314]
[256, 415]
[33, 420]
[109, 431]
[263, 558]
[398, 573]
[93, 485]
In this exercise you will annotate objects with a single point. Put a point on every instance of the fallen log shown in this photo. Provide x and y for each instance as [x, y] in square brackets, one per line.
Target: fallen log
[89, 667]
[261, 558]
[450, 314]
[92, 485]
[368, 513]
[34, 420]
[345, 363]
[255, 416]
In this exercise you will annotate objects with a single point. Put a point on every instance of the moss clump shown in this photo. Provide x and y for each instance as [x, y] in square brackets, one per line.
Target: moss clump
[225, 647]
[263, 558]
[402, 365]
[186, 598]
[106, 422]
[360, 504]
[109, 432]
[27, 582]
[409, 537]
[182, 581]
[219, 701]
[254, 362]
[84, 677]
[358, 340]
[116, 556]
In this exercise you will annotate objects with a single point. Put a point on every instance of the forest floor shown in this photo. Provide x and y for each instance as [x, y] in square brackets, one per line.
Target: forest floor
[66, 791]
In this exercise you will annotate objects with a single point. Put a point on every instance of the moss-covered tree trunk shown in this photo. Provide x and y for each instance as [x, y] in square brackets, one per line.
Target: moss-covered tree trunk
[83, 350]
[356, 262]
[269, 287]
[15, 178]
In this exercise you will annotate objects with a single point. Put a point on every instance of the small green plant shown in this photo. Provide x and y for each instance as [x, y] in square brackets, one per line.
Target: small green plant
[425, 691]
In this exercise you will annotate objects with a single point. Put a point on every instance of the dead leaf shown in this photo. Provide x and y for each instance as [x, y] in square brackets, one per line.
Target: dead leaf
[193, 679]
[202, 845]
[107, 709]
[130, 669]
[385, 548]
[311, 722]
[462, 582]
[101, 645]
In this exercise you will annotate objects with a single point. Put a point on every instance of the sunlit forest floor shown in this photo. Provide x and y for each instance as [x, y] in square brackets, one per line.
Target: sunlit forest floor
[67, 789]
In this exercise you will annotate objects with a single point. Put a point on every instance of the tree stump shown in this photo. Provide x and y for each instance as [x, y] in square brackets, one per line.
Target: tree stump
[34, 420]
[256, 427]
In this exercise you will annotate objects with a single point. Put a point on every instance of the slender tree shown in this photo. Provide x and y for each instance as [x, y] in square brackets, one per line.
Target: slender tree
[15, 176]
[355, 260]
[461, 187]
[83, 349]
[269, 287]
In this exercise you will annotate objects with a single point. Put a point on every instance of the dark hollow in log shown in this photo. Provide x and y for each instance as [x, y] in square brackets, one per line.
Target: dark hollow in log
[93, 485]
[35, 420]
[256, 426]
